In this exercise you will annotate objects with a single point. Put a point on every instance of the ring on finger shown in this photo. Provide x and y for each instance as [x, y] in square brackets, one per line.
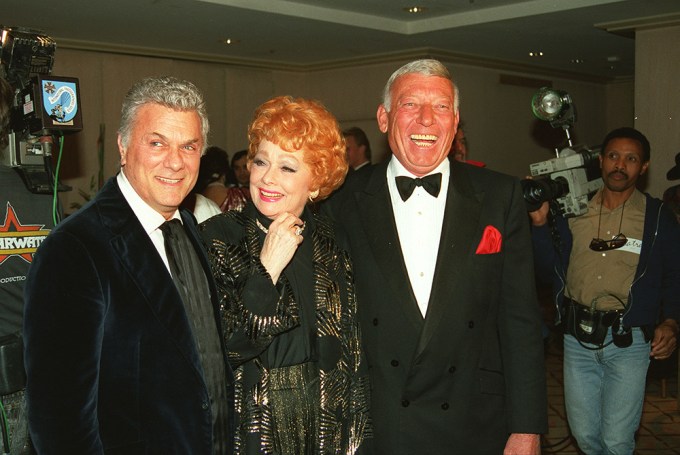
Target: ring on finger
[299, 229]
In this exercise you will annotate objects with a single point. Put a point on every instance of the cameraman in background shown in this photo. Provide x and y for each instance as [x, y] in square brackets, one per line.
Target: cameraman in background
[25, 220]
[616, 281]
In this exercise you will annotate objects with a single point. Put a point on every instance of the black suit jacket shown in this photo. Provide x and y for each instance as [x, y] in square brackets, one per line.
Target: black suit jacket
[471, 372]
[110, 357]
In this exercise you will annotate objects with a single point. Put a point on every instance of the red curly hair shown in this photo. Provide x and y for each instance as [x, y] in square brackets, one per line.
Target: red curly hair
[299, 124]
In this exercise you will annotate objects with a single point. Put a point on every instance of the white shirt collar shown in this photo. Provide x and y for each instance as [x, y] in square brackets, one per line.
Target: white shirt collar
[365, 163]
[150, 218]
[396, 169]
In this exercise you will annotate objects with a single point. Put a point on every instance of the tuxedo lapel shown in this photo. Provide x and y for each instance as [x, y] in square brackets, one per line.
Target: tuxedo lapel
[144, 266]
[460, 226]
[374, 204]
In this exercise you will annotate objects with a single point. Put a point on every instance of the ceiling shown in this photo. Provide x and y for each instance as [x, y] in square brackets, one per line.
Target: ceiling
[308, 34]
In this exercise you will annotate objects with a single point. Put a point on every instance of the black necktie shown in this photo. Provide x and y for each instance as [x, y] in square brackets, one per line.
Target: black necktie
[191, 282]
[431, 183]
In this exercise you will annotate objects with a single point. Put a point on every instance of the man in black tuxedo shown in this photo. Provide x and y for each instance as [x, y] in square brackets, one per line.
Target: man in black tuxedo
[124, 352]
[445, 288]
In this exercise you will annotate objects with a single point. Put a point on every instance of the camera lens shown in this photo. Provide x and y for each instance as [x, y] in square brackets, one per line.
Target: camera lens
[537, 191]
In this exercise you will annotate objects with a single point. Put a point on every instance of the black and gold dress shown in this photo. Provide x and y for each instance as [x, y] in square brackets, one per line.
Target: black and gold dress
[301, 379]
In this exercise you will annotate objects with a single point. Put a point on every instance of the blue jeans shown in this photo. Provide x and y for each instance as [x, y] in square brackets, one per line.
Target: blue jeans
[604, 392]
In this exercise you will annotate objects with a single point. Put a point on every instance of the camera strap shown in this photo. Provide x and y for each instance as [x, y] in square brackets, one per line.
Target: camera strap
[557, 246]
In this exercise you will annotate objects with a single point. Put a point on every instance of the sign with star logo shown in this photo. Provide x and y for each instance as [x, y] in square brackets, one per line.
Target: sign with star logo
[18, 239]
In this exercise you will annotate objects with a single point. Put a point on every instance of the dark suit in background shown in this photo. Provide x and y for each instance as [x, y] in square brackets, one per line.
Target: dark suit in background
[468, 378]
[112, 360]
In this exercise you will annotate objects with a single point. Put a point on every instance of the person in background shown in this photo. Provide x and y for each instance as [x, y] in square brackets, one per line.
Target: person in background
[195, 202]
[616, 281]
[287, 293]
[25, 221]
[459, 147]
[202, 207]
[21, 211]
[239, 166]
[444, 277]
[671, 196]
[358, 148]
[124, 351]
[212, 181]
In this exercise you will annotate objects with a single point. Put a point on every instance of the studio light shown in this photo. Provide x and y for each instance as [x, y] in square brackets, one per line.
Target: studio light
[569, 179]
[554, 106]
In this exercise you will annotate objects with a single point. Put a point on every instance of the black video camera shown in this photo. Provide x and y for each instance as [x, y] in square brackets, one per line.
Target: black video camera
[570, 178]
[43, 105]
[567, 179]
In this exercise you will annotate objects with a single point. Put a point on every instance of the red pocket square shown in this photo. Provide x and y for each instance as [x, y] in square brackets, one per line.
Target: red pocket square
[491, 241]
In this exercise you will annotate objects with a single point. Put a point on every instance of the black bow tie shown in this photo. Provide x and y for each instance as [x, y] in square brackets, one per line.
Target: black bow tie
[431, 183]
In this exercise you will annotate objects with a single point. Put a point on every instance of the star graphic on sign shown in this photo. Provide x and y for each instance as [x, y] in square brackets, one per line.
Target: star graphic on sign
[18, 239]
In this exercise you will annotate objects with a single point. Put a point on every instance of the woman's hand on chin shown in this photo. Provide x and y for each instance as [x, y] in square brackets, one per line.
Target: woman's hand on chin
[282, 240]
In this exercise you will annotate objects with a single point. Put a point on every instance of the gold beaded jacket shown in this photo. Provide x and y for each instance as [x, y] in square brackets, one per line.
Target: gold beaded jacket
[234, 243]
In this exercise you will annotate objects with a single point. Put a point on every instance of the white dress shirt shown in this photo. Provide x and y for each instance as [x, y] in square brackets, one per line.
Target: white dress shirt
[151, 220]
[419, 225]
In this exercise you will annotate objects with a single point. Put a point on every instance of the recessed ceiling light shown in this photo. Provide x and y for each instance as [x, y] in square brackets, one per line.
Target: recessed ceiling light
[415, 9]
[577, 61]
[229, 41]
[536, 54]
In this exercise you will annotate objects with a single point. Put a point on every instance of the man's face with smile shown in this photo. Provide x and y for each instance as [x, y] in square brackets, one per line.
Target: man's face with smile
[162, 156]
[421, 123]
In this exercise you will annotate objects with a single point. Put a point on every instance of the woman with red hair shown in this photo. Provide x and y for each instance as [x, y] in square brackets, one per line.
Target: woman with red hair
[287, 294]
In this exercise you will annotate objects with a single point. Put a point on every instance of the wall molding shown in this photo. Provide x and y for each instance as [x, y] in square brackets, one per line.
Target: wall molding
[273, 65]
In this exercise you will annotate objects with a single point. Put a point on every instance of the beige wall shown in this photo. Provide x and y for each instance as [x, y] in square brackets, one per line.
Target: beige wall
[500, 128]
[619, 109]
[657, 99]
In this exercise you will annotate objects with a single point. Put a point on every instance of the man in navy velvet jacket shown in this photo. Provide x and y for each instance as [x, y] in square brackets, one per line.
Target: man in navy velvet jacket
[116, 361]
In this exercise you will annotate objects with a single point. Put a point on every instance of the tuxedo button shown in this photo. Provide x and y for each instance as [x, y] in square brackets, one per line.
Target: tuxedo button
[405, 403]
[375, 321]
[445, 406]
[452, 369]
[394, 363]
[205, 406]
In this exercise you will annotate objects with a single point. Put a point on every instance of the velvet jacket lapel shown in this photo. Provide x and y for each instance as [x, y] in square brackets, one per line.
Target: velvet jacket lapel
[139, 259]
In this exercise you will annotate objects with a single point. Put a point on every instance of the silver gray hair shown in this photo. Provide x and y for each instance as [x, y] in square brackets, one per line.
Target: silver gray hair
[166, 91]
[425, 67]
